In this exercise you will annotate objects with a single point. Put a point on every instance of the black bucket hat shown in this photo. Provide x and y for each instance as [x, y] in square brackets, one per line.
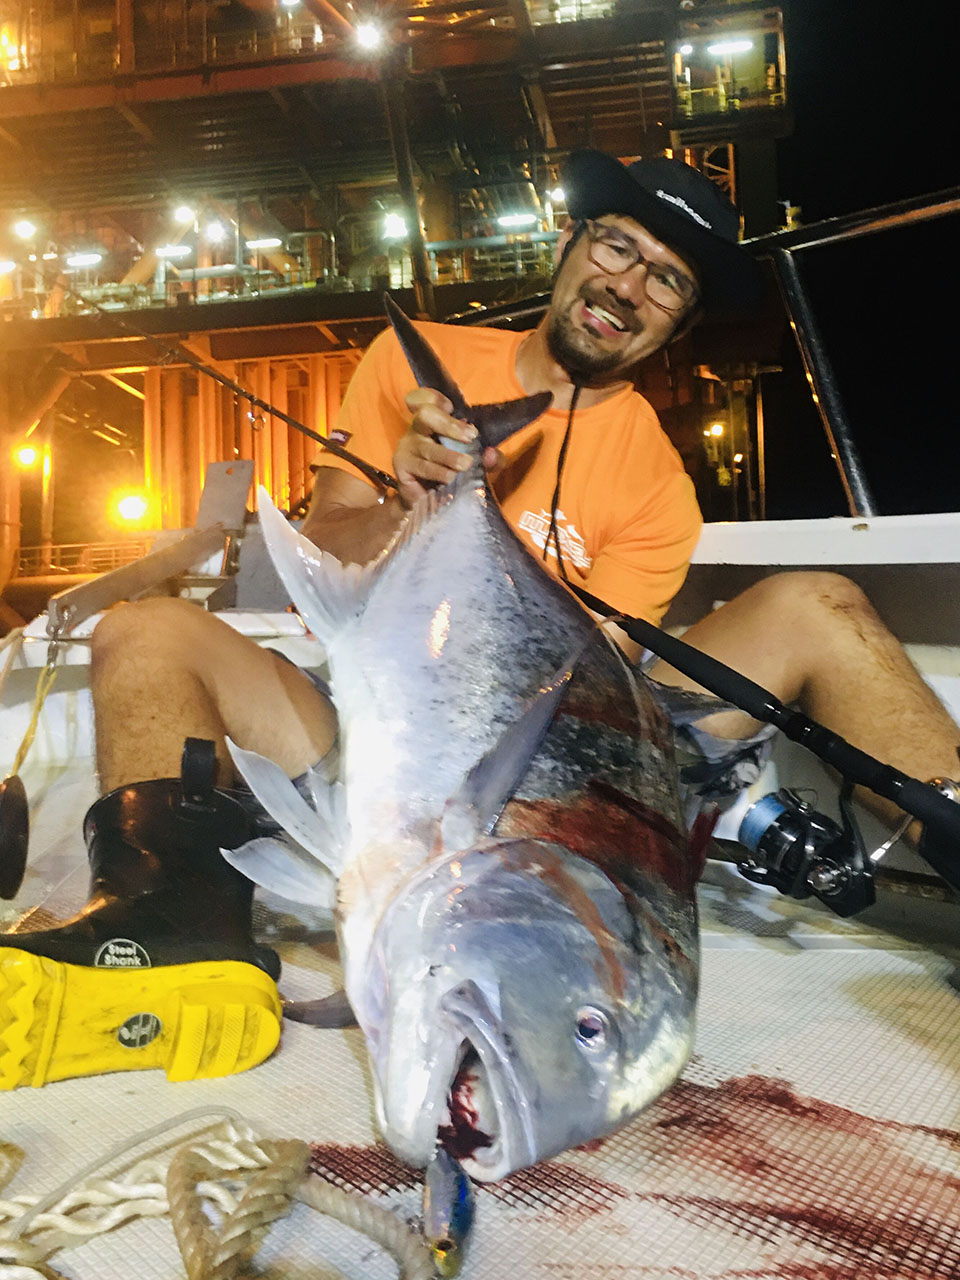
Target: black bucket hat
[677, 204]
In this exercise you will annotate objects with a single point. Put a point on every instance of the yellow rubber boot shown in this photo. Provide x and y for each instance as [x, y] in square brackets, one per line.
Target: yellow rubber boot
[160, 967]
[196, 1021]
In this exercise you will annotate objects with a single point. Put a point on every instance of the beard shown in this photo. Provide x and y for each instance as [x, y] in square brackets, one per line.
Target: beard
[575, 353]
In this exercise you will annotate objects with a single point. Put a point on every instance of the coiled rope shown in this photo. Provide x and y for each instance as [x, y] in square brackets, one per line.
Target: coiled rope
[248, 1182]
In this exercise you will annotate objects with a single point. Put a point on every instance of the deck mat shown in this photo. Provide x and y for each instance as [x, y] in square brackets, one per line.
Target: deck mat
[815, 1134]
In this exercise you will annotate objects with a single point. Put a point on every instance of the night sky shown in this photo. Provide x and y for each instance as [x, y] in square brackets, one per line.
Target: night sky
[873, 95]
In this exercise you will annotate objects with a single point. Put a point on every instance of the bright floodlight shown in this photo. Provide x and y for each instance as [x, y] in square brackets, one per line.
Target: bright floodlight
[26, 455]
[729, 46]
[517, 220]
[84, 259]
[183, 214]
[686, 50]
[369, 35]
[215, 232]
[265, 242]
[717, 429]
[557, 195]
[394, 227]
[289, 4]
[173, 250]
[6, 266]
[24, 229]
[132, 507]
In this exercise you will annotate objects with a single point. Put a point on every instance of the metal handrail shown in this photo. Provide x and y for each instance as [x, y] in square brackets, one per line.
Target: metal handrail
[79, 557]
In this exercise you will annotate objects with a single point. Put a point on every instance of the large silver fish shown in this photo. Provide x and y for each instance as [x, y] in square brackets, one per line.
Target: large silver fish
[515, 885]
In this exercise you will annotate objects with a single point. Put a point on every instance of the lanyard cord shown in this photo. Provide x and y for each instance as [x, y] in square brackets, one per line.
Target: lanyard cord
[553, 532]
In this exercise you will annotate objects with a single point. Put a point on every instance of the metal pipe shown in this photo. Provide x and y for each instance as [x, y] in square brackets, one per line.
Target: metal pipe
[826, 394]
[761, 443]
[396, 113]
[903, 213]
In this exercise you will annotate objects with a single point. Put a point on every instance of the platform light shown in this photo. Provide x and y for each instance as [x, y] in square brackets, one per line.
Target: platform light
[24, 229]
[173, 250]
[557, 196]
[369, 35]
[729, 46]
[215, 232]
[130, 507]
[290, 4]
[6, 266]
[685, 50]
[717, 429]
[50, 256]
[394, 227]
[517, 220]
[265, 242]
[26, 455]
[183, 214]
[84, 259]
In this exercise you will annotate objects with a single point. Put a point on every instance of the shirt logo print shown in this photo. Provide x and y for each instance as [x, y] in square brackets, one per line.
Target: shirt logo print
[537, 525]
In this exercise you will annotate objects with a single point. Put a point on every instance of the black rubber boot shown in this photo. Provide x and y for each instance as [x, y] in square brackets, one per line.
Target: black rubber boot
[160, 967]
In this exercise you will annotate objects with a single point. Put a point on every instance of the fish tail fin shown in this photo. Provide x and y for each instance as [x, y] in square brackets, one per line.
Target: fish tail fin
[494, 422]
[497, 422]
[425, 365]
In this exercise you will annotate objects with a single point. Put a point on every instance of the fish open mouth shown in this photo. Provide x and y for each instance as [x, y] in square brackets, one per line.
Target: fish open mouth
[470, 1123]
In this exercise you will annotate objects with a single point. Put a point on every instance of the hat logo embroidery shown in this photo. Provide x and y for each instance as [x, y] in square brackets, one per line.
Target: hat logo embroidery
[665, 195]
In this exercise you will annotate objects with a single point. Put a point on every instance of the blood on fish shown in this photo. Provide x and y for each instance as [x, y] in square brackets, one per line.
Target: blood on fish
[462, 1137]
[616, 833]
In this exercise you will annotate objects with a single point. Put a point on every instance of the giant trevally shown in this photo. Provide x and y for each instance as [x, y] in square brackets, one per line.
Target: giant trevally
[515, 900]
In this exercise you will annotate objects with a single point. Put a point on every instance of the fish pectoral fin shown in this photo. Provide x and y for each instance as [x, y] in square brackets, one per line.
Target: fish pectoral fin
[498, 422]
[327, 594]
[275, 865]
[328, 1011]
[318, 833]
[494, 778]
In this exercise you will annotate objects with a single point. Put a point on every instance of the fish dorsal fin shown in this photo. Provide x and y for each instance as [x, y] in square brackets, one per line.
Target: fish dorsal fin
[276, 865]
[321, 834]
[326, 592]
[494, 422]
[474, 809]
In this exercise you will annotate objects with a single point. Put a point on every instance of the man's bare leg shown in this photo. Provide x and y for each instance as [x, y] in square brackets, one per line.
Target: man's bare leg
[813, 639]
[164, 670]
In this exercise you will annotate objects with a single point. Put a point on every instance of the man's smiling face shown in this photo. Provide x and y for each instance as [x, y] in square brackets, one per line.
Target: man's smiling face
[600, 325]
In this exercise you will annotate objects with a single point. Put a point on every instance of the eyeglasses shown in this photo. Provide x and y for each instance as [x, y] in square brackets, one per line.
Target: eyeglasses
[615, 253]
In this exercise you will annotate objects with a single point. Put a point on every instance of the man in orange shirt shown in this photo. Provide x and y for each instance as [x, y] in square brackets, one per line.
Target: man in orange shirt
[593, 487]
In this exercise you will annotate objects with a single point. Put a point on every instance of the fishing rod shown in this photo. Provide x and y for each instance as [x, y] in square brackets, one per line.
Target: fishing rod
[936, 810]
[174, 351]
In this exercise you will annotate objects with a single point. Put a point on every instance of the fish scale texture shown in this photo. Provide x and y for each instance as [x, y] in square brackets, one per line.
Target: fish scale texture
[813, 1135]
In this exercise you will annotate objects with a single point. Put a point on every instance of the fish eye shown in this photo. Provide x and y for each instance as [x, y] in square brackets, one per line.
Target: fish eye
[592, 1027]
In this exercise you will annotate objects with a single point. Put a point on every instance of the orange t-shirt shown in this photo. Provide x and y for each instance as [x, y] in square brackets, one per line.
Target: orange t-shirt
[627, 517]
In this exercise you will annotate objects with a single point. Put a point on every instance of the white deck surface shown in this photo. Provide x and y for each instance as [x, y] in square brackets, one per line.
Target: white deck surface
[815, 1134]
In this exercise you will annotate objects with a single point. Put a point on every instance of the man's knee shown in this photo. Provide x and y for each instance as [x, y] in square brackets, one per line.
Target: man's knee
[790, 597]
[162, 622]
